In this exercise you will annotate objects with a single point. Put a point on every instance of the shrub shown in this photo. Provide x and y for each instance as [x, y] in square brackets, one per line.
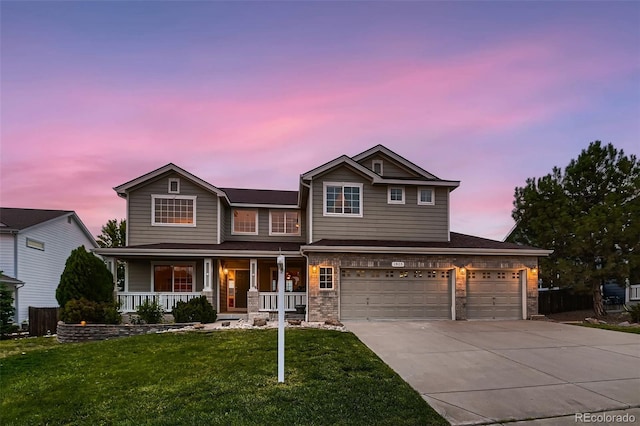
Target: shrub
[78, 310]
[150, 312]
[6, 311]
[634, 311]
[84, 276]
[195, 310]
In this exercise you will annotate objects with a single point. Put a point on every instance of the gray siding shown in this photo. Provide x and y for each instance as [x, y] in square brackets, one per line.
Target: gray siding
[381, 221]
[263, 227]
[139, 273]
[139, 204]
[390, 169]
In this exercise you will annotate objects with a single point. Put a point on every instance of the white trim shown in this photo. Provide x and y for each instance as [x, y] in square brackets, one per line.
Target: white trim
[523, 289]
[173, 263]
[342, 185]
[433, 196]
[310, 218]
[182, 253]
[406, 163]
[447, 183]
[207, 272]
[391, 188]
[233, 222]
[285, 233]
[263, 206]
[172, 197]
[219, 222]
[333, 278]
[374, 163]
[426, 250]
[453, 279]
[177, 182]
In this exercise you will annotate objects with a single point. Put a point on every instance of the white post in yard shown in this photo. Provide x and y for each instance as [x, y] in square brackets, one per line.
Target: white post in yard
[281, 319]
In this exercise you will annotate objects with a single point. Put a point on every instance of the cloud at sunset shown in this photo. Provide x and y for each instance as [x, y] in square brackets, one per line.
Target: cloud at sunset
[261, 108]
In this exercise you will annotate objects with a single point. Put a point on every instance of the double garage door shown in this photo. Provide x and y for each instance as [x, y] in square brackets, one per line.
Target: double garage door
[426, 294]
[394, 294]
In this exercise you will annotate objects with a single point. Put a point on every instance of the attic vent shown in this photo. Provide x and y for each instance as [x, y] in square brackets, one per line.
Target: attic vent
[376, 165]
[174, 186]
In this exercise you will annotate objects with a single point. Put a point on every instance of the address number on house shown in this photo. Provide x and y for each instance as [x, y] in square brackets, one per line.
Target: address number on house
[397, 264]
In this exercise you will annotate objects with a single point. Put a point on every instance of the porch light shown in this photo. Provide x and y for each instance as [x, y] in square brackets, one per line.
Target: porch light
[534, 270]
[314, 268]
[463, 270]
[226, 271]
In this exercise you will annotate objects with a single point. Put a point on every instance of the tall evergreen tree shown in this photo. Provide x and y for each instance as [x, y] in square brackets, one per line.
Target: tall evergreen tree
[86, 276]
[589, 215]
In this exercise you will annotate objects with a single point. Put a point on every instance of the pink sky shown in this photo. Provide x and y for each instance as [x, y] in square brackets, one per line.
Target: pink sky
[254, 94]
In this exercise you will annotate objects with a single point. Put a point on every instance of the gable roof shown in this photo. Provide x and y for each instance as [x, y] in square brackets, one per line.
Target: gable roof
[125, 187]
[381, 149]
[19, 219]
[239, 196]
[425, 178]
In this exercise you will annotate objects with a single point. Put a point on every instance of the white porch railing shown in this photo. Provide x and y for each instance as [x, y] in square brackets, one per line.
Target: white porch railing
[634, 292]
[129, 301]
[269, 301]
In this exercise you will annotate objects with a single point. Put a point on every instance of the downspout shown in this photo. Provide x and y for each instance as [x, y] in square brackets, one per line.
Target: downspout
[15, 273]
[306, 311]
[17, 313]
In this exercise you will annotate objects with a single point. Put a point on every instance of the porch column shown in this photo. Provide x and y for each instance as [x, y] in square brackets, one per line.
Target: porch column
[207, 289]
[112, 266]
[253, 296]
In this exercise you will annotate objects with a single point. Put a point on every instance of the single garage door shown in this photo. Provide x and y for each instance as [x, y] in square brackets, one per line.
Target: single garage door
[494, 295]
[394, 294]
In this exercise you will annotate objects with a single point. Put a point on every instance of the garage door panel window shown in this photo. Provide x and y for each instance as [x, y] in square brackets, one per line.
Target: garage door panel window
[326, 278]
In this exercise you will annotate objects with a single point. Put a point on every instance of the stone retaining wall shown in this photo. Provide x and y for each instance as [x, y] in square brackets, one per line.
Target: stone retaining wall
[73, 333]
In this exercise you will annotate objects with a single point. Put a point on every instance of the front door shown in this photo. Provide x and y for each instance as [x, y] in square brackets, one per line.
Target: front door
[237, 292]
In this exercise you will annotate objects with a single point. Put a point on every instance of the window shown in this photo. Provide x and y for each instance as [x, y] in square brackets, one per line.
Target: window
[395, 195]
[284, 223]
[425, 196]
[176, 210]
[344, 199]
[326, 278]
[376, 165]
[245, 222]
[35, 244]
[173, 278]
[174, 186]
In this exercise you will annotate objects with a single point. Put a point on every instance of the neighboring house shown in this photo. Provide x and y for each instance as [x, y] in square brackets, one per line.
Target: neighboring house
[364, 237]
[34, 246]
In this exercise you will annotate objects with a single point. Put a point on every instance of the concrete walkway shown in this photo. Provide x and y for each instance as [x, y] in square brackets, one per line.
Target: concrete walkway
[488, 372]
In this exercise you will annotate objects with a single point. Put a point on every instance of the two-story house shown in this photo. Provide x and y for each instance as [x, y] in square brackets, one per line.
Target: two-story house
[364, 237]
[34, 247]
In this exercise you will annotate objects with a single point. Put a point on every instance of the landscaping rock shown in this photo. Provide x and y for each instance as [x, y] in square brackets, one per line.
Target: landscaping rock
[591, 321]
[625, 324]
[226, 323]
[198, 326]
[333, 322]
[294, 322]
[259, 322]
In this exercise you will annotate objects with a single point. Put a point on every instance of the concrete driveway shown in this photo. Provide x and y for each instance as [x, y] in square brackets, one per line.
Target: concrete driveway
[484, 372]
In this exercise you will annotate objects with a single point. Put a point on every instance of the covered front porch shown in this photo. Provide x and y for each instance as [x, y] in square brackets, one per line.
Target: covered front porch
[233, 285]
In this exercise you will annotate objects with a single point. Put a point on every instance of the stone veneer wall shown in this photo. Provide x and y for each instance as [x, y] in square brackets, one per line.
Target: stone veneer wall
[323, 304]
[73, 333]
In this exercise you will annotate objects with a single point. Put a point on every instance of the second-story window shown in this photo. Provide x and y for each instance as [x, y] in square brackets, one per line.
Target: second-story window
[176, 210]
[284, 223]
[342, 199]
[425, 196]
[395, 195]
[245, 222]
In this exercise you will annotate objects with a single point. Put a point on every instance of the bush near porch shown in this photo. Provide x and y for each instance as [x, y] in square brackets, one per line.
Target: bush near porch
[221, 377]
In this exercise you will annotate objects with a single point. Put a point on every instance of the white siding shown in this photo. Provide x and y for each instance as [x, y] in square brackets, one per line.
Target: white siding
[41, 270]
[7, 254]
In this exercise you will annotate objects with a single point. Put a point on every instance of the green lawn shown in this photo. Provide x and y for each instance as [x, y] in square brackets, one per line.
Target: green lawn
[223, 377]
[634, 330]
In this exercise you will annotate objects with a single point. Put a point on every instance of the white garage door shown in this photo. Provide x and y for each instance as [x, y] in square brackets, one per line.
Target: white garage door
[494, 295]
[394, 294]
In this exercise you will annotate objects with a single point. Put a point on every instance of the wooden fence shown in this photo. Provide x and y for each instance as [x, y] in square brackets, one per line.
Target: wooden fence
[42, 321]
[555, 301]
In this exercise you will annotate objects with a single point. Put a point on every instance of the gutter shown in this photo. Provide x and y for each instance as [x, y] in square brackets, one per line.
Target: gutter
[426, 250]
[128, 252]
